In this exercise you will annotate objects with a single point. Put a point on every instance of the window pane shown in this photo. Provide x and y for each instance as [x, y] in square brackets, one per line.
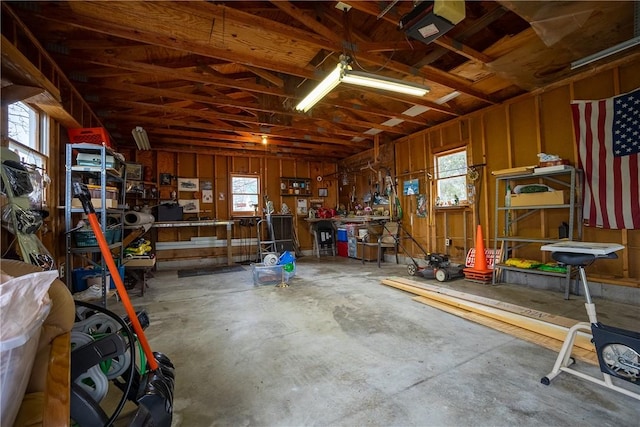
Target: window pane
[244, 202]
[22, 124]
[452, 177]
[452, 164]
[450, 188]
[244, 185]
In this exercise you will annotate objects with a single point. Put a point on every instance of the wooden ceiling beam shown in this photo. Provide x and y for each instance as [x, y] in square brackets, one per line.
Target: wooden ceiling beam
[258, 146]
[308, 21]
[249, 137]
[182, 74]
[110, 90]
[373, 8]
[437, 76]
[302, 133]
[127, 32]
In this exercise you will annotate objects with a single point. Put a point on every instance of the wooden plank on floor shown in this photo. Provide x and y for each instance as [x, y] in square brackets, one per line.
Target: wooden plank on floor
[513, 308]
[539, 326]
[544, 341]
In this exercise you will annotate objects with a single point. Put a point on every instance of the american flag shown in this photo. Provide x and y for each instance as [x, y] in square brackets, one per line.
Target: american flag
[608, 137]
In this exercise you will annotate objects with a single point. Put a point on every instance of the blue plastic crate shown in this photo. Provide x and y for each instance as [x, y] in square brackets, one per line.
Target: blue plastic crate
[342, 235]
[80, 276]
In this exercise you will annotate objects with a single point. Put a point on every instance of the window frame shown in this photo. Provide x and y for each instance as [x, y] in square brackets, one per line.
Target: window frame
[451, 175]
[37, 152]
[250, 211]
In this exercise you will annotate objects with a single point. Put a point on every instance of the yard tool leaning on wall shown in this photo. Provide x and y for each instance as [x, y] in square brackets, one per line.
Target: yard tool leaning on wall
[155, 392]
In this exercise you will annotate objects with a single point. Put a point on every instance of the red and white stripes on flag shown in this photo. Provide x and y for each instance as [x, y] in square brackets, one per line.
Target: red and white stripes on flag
[608, 137]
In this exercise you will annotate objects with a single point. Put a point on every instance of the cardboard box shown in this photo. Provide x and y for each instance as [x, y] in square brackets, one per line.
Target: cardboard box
[139, 262]
[539, 199]
[369, 253]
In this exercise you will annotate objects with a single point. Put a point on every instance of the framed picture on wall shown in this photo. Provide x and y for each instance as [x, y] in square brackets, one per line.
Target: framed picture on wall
[188, 184]
[323, 192]
[165, 179]
[190, 205]
[134, 171]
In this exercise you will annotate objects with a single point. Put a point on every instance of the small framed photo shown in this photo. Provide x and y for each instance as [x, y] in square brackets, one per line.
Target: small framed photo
[188, 184]
[134, 171]
[323, 192]
[189, 205]
[165, 179]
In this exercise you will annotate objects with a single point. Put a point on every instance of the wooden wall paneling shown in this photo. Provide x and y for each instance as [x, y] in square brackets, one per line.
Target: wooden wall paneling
[629, 77]
[187, 167]
[240, 164]
[418, 170]
[497, 155]
[221, 187]
[523, 134]
[556, 130]
[206, 173]
[271, 184]
[595, 86]
[166, 163]
[475, 153]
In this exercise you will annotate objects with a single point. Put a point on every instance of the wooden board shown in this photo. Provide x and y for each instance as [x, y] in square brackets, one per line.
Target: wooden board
[513, 308]
[550, 343]
[541, 327]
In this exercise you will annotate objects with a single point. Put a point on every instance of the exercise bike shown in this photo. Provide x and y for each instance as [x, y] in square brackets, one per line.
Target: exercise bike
[618, 350]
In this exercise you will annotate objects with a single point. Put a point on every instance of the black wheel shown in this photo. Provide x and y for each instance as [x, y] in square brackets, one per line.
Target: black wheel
[442, 275]
[620, 360]
[545, 381]
[412, 269]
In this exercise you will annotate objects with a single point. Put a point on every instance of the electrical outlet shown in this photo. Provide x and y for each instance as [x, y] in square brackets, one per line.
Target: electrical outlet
[447, 242]
[61, 270]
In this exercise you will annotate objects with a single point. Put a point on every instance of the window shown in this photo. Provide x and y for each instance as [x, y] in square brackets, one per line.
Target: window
[245, 195]
[29, 138]
[27, 130]
[451, 177]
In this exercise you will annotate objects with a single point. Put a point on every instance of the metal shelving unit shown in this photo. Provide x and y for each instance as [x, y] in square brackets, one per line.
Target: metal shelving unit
[568, 179]
[102, 176]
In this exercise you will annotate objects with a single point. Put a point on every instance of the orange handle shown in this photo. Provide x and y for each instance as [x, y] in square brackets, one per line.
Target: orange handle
[124, 296]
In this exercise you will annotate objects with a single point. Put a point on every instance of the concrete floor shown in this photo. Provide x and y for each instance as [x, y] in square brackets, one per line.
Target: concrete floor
[337, 348]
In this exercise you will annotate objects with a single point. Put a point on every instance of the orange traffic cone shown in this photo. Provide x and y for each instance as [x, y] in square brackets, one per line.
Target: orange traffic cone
[479, 272]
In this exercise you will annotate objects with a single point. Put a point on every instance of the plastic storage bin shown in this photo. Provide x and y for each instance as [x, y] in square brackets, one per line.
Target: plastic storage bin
[16, 360]
[343, 249]
[82, 275]
[271, 274]
[85, 238]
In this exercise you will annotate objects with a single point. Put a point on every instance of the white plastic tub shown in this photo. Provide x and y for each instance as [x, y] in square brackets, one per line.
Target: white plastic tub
[16, 360]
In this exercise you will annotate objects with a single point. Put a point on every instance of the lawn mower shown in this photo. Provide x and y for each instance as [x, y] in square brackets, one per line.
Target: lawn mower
[438, 267]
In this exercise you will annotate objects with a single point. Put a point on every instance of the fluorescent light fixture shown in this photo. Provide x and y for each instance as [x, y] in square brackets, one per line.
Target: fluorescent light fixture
[325, 86]
[604, 53]
[141, 138]
[384, 83]
[343, 73]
